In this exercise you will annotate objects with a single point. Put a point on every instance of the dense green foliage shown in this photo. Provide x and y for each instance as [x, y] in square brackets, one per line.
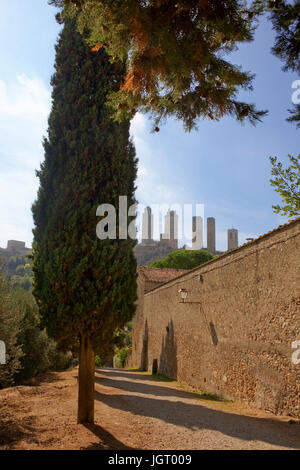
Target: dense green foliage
[40, 353]
[29, 351]
[177, 55]
[183, 259]
[22, 277]
[84, 286]
[287, 183]
[178, 49]
[9, 330]
[122, 357]
[122, 340]
[123, 348]
[18, 270]
[286, 22]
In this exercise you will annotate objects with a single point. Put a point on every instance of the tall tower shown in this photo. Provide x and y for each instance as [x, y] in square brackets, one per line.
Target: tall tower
[233, 239]
[197, 242]
[211, 235]
[170, 237]
[147, 225]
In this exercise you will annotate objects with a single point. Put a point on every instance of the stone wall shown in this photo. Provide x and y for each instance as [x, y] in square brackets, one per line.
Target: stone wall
[237, 341]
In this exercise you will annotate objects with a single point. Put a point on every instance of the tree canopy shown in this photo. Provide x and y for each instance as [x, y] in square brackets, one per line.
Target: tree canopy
[183, 259]
[176, 54]
[286, 22]
[287, 183]
[9, 331]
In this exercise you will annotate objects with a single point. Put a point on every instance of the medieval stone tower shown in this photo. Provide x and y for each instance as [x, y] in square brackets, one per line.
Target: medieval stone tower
[197, 243]
[233, 239]
[170, 237]
[147, 225]
[211, 234]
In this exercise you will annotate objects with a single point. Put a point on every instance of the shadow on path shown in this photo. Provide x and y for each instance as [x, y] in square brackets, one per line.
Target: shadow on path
[195, 416]
[11, 433]
[147, 389]
[107, 440]
[133, 374]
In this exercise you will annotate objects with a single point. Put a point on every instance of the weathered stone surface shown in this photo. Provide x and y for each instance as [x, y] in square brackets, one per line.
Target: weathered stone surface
[237, 342]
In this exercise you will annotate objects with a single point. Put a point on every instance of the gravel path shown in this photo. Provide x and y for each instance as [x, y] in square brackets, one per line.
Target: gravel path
[134, 411]
[160, 416]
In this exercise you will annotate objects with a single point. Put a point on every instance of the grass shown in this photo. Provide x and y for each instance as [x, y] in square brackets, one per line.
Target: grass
[161, 378]
[202, 395]
[197, 393]
[156, 377]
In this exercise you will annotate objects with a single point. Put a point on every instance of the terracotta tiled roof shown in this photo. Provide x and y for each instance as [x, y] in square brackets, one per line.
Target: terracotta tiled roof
[159, 275]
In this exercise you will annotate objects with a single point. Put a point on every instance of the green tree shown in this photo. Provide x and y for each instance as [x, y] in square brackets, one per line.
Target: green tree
[39, 351]
[9, 329]
[287, 183]
[285, 17]
[20, 270]
[177, 55]
[183, 259]
[123, 347]
[85, 287]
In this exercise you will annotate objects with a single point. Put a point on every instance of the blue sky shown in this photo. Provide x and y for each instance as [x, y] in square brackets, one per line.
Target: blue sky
[224, 165]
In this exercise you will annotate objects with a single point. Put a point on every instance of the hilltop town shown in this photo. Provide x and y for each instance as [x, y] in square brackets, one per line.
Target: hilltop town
[150, 250]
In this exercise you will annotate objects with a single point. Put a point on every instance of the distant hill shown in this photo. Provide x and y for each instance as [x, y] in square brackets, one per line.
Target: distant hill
[15, 264]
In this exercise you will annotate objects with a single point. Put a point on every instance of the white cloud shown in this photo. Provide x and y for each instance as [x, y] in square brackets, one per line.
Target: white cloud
[142, 171]
[24, 108]
[26, 98]
[138, 125]
[151, 190]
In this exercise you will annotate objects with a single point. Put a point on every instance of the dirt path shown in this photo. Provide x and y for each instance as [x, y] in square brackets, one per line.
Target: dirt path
[134, 411]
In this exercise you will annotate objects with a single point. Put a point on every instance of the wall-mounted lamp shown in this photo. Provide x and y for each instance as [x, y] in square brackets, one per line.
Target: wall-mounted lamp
[211, 327]
[183, 295]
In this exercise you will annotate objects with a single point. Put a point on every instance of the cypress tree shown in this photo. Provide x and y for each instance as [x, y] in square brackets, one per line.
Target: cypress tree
[85, 287]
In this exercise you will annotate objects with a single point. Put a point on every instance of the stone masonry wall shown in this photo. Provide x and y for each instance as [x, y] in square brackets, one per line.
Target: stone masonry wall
[237, 343]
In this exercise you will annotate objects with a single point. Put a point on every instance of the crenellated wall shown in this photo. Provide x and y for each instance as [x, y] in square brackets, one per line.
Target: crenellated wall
[237, 341]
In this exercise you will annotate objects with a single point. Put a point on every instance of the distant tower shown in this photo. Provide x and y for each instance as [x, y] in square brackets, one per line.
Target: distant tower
[211, 235]
[233, 239]
[147, 225]
[197, 243]
[170, 237]
[13, 245]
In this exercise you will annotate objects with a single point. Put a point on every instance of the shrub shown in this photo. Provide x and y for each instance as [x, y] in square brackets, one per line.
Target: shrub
[9, 331]
[99, 362]
[34, 342]
[183, 259]
[122, 357]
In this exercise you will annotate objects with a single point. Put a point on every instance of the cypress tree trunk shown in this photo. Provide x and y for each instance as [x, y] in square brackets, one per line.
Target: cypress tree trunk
[86, 381]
